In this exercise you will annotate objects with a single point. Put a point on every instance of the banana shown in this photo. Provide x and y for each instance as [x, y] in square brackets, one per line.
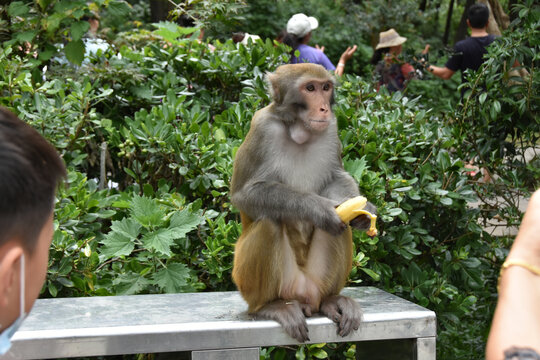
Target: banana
[351, 208]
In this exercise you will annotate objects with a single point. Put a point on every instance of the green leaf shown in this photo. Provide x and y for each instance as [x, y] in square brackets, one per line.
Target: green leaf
[121, 240]
[26, 36]
[173, 278]
[356, 167]
[147, 211]
[127, 227]
[130, 284]
[18, 8]
[320, 354]
[482, 98]
[160, 240]
[75, 51]
[371, 273]
[183, 222]
[395, 212]
[78, 29]
[446, 201]
[118, 8]
[168, 30]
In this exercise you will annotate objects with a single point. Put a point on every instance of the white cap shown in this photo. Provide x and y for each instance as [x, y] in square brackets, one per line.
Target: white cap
[300, 25]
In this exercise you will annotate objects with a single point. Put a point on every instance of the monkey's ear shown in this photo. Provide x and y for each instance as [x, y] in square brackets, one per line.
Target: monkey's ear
[273, 87]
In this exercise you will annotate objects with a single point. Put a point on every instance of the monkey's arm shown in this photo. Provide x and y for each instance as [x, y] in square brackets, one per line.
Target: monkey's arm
[260, 199]
[341, 188]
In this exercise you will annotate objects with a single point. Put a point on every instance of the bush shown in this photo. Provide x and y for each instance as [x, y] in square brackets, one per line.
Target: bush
[150, 211]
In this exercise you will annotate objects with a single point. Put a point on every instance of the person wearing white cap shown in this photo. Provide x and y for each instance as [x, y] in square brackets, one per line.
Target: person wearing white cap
[392, 71]
[299, 28]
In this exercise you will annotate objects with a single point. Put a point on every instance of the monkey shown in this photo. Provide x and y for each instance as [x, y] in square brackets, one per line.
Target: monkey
[294, 254]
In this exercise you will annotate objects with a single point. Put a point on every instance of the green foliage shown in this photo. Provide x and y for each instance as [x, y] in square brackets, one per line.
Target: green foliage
[172, 113]
[43, 28]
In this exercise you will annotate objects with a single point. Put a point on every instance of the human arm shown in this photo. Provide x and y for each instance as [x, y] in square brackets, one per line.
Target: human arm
[347, 54]
[516, 322]
[442, 72]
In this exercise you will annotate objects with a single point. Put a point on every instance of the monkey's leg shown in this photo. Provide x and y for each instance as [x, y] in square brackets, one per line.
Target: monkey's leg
[330, 261]
[267, 275]
[256, 267]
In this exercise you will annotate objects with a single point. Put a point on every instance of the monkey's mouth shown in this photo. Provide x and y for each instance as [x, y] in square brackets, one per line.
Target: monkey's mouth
[319, 125]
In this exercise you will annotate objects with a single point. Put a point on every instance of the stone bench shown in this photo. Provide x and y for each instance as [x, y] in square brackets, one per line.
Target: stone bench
[210, 325]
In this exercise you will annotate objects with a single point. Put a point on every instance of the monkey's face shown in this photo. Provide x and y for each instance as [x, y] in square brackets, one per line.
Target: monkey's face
[317, 97]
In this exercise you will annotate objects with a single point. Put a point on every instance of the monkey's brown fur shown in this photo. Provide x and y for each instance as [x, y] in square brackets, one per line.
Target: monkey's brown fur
[295, 253]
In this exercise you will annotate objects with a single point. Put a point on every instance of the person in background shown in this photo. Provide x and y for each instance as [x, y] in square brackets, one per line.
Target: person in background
[299, 28]
[390, 70]
[30, 170]
[243, 37]
[515, 330]
[468, 53]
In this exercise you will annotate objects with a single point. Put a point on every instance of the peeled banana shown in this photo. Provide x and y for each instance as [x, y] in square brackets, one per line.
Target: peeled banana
[351, 208]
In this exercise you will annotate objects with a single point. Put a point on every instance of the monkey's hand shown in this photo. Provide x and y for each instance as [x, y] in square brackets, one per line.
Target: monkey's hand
[344, 311]
[330, 221]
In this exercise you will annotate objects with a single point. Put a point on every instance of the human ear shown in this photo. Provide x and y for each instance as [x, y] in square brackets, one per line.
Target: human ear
[9, 267]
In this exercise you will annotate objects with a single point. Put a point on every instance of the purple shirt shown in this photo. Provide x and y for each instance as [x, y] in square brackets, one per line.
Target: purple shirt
[311, 55]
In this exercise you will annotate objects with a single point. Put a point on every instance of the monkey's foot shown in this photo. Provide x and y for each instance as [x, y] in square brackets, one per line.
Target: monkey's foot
[344, 311]
[290, 314]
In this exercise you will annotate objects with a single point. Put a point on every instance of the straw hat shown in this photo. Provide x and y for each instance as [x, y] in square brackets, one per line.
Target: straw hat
[300, 25]
[390, 38]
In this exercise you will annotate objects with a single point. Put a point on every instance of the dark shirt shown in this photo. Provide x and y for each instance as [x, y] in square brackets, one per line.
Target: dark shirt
[469, 53]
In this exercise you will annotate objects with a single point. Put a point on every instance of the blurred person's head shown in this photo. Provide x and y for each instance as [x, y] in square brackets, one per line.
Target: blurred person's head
[30, 170]
[299, 29]
[478, 16]
[390, 43]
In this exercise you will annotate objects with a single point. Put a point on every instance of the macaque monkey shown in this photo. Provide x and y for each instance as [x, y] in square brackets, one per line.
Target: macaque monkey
[295, 253]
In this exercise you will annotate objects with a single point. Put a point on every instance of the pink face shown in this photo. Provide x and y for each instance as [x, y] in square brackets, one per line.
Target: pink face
[317, 96]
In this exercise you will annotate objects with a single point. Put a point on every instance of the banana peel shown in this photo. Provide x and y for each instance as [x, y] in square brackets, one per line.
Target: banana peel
[354, 207]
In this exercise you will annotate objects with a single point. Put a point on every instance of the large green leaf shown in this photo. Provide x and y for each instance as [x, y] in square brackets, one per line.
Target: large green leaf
[173, 278]
[18, 8]
[78, 29]
[159, 240]
[121, 240]
[75, 51]
[130, 284]
[147, 211]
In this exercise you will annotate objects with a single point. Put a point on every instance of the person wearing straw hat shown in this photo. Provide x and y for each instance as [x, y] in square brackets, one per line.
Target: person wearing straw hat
[391, 71]
[299, 28]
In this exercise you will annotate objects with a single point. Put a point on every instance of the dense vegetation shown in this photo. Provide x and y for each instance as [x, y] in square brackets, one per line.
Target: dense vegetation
[149, 127]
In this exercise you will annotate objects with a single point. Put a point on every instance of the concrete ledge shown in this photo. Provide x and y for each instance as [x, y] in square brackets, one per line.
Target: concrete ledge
[94, 326]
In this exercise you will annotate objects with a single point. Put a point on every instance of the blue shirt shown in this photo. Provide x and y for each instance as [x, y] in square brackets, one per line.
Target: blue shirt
[312, 55]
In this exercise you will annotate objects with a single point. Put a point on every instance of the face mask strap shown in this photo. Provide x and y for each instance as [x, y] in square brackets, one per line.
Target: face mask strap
[22, 285]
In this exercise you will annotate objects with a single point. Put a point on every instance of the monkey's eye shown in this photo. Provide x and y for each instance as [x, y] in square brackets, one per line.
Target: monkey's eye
[326, 87]
[310, 87]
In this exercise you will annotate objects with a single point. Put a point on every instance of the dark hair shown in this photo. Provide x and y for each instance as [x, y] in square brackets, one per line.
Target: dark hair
[292, 41]
[478, 15]
[378, 54]
[238, 36]
[30, 169]
[281, 35]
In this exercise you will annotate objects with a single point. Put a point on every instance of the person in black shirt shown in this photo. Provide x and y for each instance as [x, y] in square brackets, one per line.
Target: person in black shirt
[469, 53]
